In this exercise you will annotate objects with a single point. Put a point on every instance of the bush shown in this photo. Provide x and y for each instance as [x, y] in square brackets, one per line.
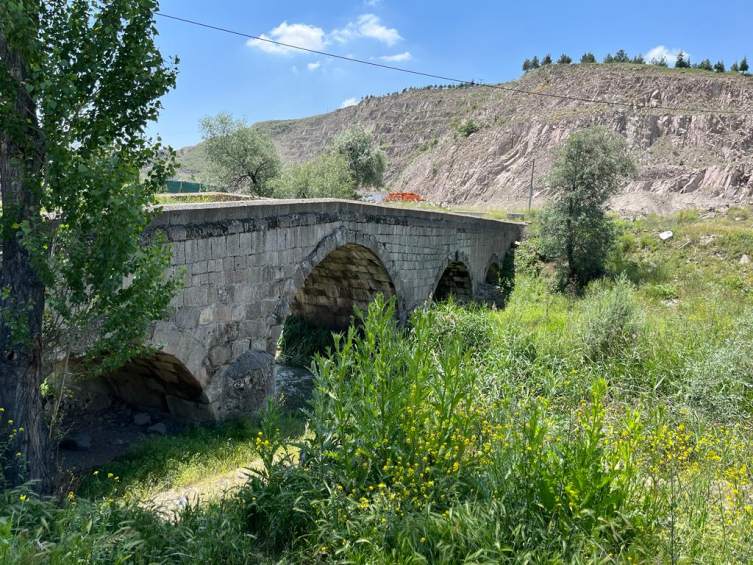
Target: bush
[719, 379]
[301, 340]
[468, 127]
[610, 322]
[411, 460]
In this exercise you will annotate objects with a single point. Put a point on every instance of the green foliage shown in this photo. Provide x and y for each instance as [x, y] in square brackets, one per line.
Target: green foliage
[535, 62]
[706, 65]
[466, 128]
[240, 157]
[608, 59]
[527, 65]
[735, 68]
[719, 67]
[411, 460]
[326, 176]
[74, 116]
[744, 65]
[547, 60]
[367, 161]
[621, 57]
[588, 58]
[301, 341]
[575, 231]
[564, 60]
[610, 322]
[680, 62]
[659, 61]
[639, 60]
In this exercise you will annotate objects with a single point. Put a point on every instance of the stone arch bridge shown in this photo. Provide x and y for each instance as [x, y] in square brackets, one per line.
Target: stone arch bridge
[249, 265]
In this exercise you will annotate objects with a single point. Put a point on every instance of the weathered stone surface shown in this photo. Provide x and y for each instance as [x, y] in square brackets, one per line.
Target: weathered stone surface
[250, 265]
[247, 382]
[142, 419]
[159, 429]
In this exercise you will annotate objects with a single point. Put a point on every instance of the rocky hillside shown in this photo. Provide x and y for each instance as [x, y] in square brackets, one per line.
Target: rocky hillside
[691, 155]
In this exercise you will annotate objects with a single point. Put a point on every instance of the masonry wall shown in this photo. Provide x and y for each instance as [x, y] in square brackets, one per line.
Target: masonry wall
[244, 263]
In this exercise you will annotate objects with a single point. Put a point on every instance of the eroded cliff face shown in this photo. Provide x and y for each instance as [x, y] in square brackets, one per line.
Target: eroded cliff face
[687, 129]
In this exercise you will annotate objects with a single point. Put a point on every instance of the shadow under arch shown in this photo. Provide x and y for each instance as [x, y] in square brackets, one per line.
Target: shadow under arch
[493, 271]
[454, 279]
[347, 268]
[158, 382]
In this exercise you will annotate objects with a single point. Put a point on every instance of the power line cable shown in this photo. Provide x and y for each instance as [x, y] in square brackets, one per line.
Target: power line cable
[451, 79]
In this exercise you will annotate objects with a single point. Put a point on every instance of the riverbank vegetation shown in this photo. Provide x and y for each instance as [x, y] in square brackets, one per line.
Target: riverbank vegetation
[609, 424]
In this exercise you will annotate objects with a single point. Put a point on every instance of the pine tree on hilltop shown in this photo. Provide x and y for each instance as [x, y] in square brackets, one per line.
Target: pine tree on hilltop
[621, 57]
[735, 68]
[719, 67]
[706, 65]
[547, 60]
[680, 62]
[564, 60]
[535, 62]
[639, 60]
[527, 65]
[588, 58]
[608, 59]
[659, 61]
[744, 65]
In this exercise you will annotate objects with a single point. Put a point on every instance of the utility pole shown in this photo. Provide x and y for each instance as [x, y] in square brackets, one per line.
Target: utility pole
[530, 190]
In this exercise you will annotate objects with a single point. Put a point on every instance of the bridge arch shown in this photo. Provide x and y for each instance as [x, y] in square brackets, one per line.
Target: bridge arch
[347, 268]
[493, 270]
[455, 278]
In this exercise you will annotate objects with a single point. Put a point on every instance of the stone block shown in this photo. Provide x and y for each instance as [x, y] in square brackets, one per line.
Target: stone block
[246, 384]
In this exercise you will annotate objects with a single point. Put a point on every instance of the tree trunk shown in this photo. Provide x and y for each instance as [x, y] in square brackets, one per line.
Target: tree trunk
[22, 293]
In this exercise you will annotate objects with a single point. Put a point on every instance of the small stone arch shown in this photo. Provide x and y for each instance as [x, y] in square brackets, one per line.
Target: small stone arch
[455, 279]
[493, 271]
[157, 382]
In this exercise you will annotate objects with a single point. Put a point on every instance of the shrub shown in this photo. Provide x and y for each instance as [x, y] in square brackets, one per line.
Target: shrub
[468, 127]
[410, 460]
[719, 379]
[301, 340]
[610, 321]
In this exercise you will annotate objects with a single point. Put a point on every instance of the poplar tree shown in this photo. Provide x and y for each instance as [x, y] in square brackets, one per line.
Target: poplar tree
[79, 81]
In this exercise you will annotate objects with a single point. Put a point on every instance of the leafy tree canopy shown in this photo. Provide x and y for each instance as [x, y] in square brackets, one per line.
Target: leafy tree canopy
[588, 58]
[564, 60]
[547, 60]
[744, 65]
[366, 160]
[79, 81]
[242, 158]
[326, 176]
[589, 169]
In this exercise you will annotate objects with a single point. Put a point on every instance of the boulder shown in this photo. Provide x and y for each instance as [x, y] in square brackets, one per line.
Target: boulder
[160, 429]
[666, 235]
[142, 419]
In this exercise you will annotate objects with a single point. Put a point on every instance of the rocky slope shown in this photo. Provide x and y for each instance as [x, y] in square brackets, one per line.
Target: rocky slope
[690, 152]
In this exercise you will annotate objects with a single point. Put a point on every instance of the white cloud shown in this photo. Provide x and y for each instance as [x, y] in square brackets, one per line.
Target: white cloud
[397, 58]
[373, 3]
[348, 102]
[366, 25]
[661, 51]
[314, 66]
[301, 35]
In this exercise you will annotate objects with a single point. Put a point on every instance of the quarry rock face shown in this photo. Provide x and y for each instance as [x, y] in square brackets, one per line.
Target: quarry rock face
[686, 128]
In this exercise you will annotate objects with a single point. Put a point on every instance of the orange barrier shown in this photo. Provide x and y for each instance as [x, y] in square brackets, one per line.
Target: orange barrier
[402, 196]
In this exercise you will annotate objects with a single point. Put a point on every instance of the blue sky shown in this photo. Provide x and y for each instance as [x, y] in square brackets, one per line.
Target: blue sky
[481, 40]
